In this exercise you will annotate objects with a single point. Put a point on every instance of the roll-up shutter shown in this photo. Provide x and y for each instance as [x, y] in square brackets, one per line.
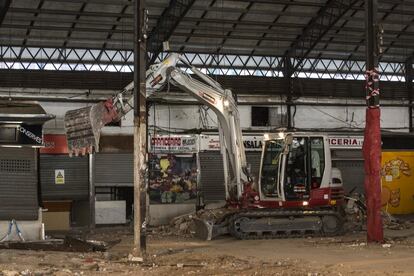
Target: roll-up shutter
[351, 165]
[114, 169]
[76, 177]
[352, 174]
[18, 184]
[212, 174]
[253, 159]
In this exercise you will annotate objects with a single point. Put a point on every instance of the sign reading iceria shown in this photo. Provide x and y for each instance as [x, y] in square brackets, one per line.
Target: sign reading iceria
[343, 142]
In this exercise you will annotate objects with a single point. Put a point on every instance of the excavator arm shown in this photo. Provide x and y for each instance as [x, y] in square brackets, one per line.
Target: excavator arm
[83, 126]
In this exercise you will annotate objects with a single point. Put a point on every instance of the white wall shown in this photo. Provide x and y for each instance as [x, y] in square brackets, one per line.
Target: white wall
[183, 117]
[337, 117]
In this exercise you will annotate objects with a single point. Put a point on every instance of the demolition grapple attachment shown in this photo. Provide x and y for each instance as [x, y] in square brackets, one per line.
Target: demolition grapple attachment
[83, 127]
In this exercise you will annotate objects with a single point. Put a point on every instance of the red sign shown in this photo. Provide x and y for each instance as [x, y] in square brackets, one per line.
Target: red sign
[169, 143]
[166, 141]
[54, 144]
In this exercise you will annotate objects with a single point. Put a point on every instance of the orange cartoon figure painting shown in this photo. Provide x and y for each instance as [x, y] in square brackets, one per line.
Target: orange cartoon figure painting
[397, 183]
[396, 168]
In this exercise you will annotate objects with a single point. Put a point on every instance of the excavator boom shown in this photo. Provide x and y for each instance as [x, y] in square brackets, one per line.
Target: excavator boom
[83, 126]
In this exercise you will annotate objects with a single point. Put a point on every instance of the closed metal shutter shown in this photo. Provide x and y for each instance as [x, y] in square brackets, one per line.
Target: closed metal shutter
[114, 169]
[212, 174]
[352, 174]
[253, 159]
[18, 184]
[76, 186]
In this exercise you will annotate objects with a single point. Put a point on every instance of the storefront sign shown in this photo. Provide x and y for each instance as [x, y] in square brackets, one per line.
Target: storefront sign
[33, 134]
[54, 144]
[30, 135]
[174, 143]
[212, 142]
[59, 177]
[254, 143]
[342, 142]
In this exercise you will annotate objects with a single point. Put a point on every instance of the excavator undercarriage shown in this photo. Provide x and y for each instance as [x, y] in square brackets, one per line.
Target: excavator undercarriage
[272, 224]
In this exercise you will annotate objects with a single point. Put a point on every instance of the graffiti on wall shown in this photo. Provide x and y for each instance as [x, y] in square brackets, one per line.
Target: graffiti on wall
[397, 189]
[173, 178]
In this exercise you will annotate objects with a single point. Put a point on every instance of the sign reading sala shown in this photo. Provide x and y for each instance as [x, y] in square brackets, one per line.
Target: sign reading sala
[212, 142]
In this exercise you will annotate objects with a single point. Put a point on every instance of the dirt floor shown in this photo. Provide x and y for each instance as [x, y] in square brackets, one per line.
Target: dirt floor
[172, 255]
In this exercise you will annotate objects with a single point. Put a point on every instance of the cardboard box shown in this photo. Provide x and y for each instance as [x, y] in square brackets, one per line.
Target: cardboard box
[57, 216]
[56, 221]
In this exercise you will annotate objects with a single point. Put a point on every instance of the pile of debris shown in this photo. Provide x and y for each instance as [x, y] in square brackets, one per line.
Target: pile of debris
[184, 225]
[356, 212]
[393, 223]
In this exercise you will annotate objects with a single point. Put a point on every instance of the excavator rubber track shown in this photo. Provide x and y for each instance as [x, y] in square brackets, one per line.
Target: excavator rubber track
[277, 224]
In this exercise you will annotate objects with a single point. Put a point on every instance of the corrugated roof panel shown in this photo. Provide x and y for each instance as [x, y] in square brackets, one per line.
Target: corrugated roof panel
[25, 4]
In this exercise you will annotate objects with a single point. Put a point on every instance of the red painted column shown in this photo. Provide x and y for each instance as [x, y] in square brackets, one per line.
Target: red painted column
[372, 137]
[372, 156]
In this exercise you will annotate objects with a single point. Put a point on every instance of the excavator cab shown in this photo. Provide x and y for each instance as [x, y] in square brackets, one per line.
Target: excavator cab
[296, 169]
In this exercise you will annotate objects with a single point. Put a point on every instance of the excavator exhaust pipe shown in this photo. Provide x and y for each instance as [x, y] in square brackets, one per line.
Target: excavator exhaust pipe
[83, 128]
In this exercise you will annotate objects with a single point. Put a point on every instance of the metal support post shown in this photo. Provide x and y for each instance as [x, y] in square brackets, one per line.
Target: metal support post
[92, 198]
[287, 74]
[409, 75]
[372, 136]
[140, 131]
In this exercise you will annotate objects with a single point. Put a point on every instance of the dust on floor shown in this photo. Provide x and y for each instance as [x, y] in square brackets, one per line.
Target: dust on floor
[172, 255]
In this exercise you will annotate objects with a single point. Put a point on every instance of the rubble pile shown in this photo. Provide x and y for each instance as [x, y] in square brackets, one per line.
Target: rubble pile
[184, 225]
[393, 223]
[355, 211]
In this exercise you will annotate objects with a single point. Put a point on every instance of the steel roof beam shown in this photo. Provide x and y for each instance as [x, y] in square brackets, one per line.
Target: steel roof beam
[4, 7]
[168, 21]
[32, 22]
[17, 19]
[363, 40]
[287, 39]
[70, 12]
[69, 34]
[228, 34]
[15, 24]
[291, 3]
[403, 31]
[102, 2]
[114, 26]
[320, 5]
[211, 3]
[327, 17]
